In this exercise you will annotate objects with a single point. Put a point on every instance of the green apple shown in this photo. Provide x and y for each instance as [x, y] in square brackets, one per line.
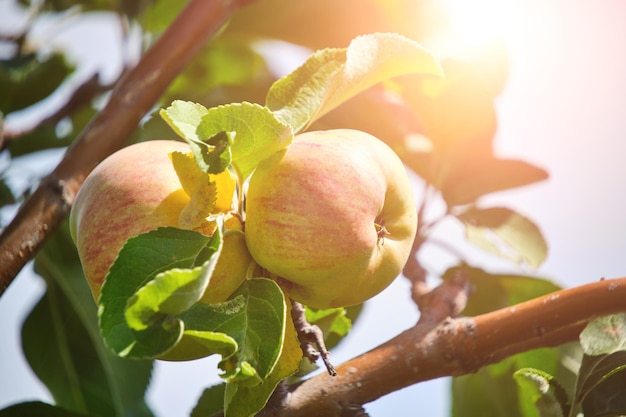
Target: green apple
[136, 190]
[332, 217]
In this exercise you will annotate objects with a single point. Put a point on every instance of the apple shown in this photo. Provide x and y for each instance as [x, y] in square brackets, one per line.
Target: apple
[332, 217]
[136, 190]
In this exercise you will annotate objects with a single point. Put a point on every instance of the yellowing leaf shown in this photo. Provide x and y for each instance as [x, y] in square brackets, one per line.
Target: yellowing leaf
[208, 194]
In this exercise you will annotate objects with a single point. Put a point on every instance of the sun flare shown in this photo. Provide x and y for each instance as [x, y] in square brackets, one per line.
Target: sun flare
[473, 26]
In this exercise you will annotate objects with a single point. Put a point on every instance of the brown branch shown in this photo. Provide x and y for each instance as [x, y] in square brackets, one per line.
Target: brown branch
[132, 98]
[455, 347]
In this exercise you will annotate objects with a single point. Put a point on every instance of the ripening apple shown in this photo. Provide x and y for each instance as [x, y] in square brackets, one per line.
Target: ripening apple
[332, 217]
[136, 190]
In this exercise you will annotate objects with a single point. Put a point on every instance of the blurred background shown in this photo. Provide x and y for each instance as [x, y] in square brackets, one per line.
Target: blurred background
[562, 108]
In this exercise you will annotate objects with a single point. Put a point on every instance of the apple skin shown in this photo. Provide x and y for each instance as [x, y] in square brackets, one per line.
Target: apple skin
[136, 190]
[312, 212]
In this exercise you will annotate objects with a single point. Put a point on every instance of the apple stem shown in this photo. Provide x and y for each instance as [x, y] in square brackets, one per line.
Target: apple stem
[311, 338]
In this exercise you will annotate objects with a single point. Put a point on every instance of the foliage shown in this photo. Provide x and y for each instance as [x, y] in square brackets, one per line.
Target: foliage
[383, 83]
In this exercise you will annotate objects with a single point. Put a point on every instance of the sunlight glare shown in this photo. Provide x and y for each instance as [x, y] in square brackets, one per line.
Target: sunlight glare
[473, 25]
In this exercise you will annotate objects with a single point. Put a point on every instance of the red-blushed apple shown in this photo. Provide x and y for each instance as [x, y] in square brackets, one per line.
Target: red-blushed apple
[332, 217]
[136, 190]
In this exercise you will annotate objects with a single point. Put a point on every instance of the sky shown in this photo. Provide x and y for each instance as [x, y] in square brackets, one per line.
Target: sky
[563, 109]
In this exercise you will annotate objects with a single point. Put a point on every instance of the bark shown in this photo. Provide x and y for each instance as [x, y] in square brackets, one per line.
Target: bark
[133, 97]
[453, 347]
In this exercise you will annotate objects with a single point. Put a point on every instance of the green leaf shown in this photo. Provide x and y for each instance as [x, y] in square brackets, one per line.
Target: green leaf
[540, 394]
[495, 291]
[36, 408]
[506, 233]
[221, 156]
[607, 398]
[28, 79]
[259, 329]
[594, 370]
[604, 335]
[140, 260]
[333, 320]
[332, 76]
[184, 117]
[211, 402]
[244, 400]
[258, 133]
[84, 375]
[172, 292]
[493, 391]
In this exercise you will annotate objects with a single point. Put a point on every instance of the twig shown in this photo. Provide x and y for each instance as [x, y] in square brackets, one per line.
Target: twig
[132, 98]
[311, 338]
[456, 347]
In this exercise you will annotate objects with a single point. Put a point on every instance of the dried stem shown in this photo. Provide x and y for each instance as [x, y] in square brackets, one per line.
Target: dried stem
[311, 338]
[132, 98]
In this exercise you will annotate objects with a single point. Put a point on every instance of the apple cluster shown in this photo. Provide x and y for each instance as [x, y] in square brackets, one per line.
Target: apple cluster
[331, 217]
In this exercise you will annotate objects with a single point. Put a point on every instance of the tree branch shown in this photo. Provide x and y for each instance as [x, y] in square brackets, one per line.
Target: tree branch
[132, 98]
[455, 347]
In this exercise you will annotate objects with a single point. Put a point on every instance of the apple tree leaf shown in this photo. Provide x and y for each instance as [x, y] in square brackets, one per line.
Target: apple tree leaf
[332, 76]
[607, 397]
[541, 395]
[242, 400]
[38, 408]
[494, 291]
[331, 321]
[172, 292]
[27, 79]
[604, 335]
[257, 133]
[255, 318]
[184, 117]
[139, 262]
[505, 233]
[211, 401]
[85, 376]
[470, 174]
[208, 194]
[600, 373]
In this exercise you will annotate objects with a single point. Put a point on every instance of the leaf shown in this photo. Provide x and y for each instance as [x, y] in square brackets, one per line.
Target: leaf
[184, 117]
[470, 176]
[594, 370]
[28, 79]
[84, 375]
[333, 320]
[246, 401]
[255, 320]
[492, 391]
[172, 292]
[604, 335]
[505, 233]
[607, 398]
[140, 260]
[208, 194]
[542, 393]
[332, 76]
[258, 133]
[37, 408]
[494, 291]
[211, 402]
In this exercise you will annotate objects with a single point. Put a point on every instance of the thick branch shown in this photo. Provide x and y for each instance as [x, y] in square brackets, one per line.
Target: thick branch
[455, 347]
[132, 98]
